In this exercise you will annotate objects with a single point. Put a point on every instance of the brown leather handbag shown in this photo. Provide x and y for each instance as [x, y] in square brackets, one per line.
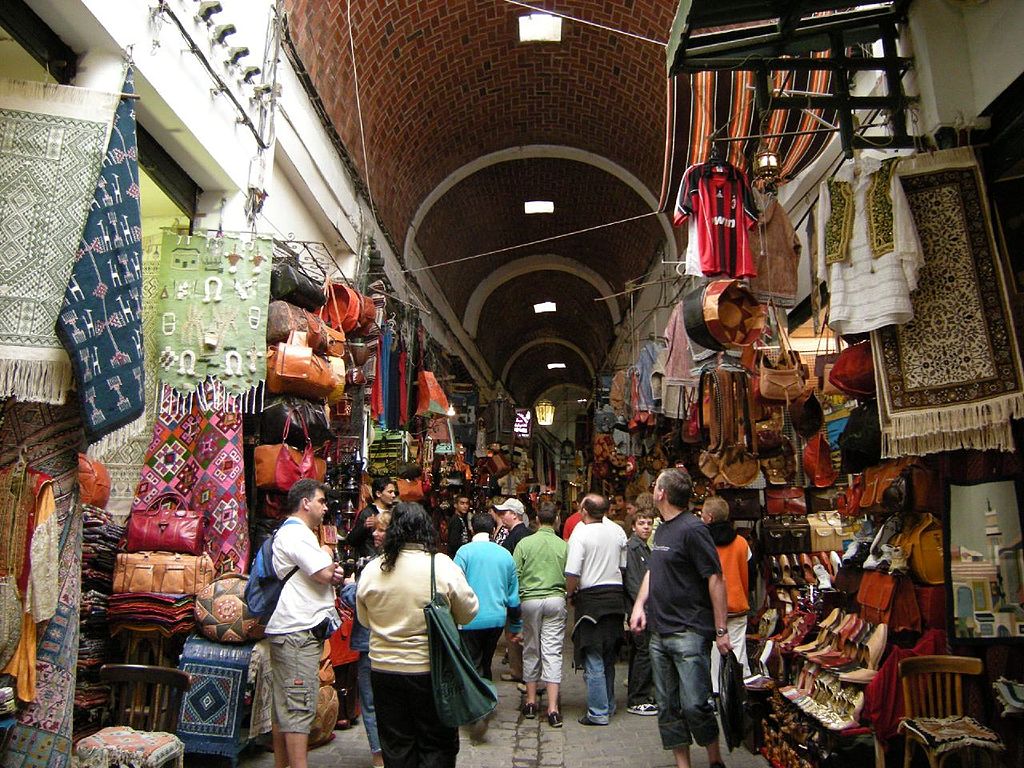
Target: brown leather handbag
[164, 572]
[785, 501]
[921, 542]
[294, 369]
[818, 461]
[925, 495]
[784, 379]
[279, 466]
[167, 526]
[875, 596]
[283, 319]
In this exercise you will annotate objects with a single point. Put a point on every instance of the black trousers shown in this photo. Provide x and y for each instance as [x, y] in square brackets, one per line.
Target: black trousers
[411, 735]
[480, 645]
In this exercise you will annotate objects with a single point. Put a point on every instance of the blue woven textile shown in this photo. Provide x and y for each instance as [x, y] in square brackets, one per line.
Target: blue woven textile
[213, 708]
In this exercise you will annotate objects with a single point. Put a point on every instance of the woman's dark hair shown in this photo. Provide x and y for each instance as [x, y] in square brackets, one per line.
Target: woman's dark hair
[410, 524]
[379, 484]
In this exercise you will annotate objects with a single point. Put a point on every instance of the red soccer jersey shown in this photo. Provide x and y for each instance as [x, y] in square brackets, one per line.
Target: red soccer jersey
[719, 195]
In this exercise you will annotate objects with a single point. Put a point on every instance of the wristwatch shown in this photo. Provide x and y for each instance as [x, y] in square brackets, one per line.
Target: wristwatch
[721, 632]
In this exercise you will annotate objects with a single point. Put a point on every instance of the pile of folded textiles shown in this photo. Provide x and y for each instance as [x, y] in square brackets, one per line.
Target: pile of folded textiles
[148, 611]
[92, 700]
[100, 537]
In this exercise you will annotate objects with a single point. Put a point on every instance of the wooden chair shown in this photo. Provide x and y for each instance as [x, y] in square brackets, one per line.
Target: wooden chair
[145, 705]
[933, 702]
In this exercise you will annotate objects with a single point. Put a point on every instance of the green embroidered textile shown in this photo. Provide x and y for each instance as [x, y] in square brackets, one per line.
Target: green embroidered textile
[879, 204]
[839, 227]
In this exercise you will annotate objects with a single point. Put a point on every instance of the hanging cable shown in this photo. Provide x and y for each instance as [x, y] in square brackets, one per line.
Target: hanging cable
[359, 108]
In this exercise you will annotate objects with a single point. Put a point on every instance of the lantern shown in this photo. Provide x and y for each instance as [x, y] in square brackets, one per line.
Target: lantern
[545, 413]
[766, 163]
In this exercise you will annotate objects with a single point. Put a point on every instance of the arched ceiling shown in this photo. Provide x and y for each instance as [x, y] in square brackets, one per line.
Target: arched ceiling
[443, 85]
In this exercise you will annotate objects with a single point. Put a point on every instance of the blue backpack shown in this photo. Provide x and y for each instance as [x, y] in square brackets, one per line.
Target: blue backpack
[263, 589]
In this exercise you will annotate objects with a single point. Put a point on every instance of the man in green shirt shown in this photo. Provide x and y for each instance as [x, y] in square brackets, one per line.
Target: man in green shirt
[540, 562]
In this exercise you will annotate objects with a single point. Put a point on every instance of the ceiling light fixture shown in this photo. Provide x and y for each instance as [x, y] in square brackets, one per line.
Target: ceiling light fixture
[540, 28]
[554, 366]
[545, 413]
[538, 206]
[451, 411]
[545, 306]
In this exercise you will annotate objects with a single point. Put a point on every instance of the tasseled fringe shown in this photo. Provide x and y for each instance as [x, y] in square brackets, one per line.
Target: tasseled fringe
[211, 396]
[982, 426]
[119, 437]
[36, 381]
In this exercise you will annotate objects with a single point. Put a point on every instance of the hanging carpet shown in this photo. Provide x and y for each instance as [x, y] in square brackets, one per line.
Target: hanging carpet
[214, 294]
[51, 142]
[213, 707]
[951, 378]
[100, 320]
[51, 436]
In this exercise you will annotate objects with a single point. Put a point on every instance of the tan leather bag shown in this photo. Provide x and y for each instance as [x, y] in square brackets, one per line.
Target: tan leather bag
[283, 319]
[296, 370]
[921, 542]
[926, 488]
[165, 572]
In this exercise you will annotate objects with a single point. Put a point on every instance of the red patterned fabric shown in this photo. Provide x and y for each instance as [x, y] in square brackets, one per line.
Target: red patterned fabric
[198, 455]
[121, 744]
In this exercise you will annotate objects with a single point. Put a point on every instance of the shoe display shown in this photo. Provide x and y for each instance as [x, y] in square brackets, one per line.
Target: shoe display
[555, 719]
[643, 709]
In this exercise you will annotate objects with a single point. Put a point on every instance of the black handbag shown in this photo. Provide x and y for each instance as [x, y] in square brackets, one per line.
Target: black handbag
[860, 443]
[285, 410]
[786, 534]
[744, 503]
[289, 283]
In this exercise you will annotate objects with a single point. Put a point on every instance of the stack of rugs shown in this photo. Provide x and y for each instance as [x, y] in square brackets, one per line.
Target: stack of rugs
[148, 611]
[100, 537]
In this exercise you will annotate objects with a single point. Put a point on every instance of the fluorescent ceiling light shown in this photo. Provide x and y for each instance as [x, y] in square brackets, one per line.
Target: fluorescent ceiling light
[538, 206]
[545, 306]
[540, 28]
[553, 366]
[582, 400]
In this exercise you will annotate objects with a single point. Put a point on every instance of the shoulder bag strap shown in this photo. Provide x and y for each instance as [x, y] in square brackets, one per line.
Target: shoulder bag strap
[433, 584]
[274, 537]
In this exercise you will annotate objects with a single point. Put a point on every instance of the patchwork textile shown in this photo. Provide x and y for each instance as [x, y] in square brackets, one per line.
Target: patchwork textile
[168, 615]
[213, 708]
[213, 312]
[121, 745]
[51, 436]
[100, 321]
[945, 734]
[198, 456]
[51, 142]
[951, 378]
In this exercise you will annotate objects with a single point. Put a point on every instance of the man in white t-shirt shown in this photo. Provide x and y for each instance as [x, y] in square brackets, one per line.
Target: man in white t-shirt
[593, 581]
[304, 617]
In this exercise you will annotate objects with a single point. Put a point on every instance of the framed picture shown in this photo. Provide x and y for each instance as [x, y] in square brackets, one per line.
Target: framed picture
[985, 563]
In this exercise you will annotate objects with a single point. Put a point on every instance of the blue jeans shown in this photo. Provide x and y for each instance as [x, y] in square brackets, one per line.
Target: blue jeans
[681, 663]
[599, 673]
[366, 701]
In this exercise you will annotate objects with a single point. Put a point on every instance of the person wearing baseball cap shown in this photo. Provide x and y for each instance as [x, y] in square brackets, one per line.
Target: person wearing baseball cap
[512, 515]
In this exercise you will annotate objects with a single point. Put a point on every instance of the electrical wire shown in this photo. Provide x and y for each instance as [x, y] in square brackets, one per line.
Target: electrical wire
[359, 108]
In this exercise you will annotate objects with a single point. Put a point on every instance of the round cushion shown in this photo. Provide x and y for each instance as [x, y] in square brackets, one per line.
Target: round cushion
[222, 613]
[326, 717]
[93, 482]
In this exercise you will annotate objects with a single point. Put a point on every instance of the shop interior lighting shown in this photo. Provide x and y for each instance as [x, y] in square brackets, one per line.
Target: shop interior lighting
[545, 413]
[540, 28]
[545, 306]
[554, 366]
[451, 411]
[582, 400]
[538, 206]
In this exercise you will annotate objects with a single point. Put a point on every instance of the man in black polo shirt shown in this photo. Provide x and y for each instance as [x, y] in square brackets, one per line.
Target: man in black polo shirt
[683, 603]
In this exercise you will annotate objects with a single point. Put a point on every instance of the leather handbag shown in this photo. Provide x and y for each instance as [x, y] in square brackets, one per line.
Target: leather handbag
[289, 283]
[875, 596]
[807, 415]
[283, 410]
[818, 461]
[925, 494]
[222, 614]
[283, 319]
[294, 369]
[279, 467]
[860, 443]
[164, 572]
[354, 375]
[854, 371]
[431, 398]
[93, 482]
[826, 531]
[785, 535]
[337, 365]
[785, 501]
[343, 307]
[744, 503]
[410, 490]
[784, 379]
[921, 542]
[166, 526]
[361, 351]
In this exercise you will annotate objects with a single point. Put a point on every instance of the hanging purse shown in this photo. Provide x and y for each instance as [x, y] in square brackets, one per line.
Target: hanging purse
[744, 503]
[723, 314]
[860, 443]
[431, 398]
[279, 467]
[282, 410]
[289, 283]
[283, 319]
[785, 501]
[921, 542]
[294, 369]
[826, 531]
[410, 490]
[807, 415]
[782, 380]
[818, 461]
[166, 526]
[854, 371]
[785, 535]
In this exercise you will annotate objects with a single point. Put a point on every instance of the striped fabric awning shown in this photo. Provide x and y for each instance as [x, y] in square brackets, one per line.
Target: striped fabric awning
[702, 103]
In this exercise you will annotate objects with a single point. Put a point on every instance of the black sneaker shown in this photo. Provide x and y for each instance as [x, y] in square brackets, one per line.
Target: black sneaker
[585, 720]
[555, 719]
[529, 711]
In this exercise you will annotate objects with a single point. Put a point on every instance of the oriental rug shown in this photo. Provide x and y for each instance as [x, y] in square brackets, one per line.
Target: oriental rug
[51, 143]
[951, 377]
[214, 293]
[213, 708]
[100, 321]
[51, 437]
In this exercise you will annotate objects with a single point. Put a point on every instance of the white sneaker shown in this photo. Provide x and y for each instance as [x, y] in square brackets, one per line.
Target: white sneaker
[643, 709]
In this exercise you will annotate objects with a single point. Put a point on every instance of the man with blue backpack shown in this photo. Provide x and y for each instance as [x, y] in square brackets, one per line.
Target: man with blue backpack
[291, 587]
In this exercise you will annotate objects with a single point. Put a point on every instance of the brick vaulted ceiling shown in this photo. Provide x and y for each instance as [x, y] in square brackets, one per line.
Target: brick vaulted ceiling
[463, 124]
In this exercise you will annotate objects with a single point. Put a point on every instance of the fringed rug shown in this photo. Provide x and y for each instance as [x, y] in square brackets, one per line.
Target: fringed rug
[214, 293]
[951, 378]
[213, 708]
[52, 436]
[51, 143]
[100, 320]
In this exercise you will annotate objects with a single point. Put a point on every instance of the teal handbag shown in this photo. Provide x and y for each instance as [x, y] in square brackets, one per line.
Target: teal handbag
[460, 694]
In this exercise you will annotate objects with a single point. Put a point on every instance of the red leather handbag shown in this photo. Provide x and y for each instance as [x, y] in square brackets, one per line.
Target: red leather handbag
[167, 526]
[785, 501]
[854, 371]
[818, 461]
[279, 467]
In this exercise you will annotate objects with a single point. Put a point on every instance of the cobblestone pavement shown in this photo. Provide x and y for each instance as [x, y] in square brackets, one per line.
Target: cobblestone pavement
[511, 740]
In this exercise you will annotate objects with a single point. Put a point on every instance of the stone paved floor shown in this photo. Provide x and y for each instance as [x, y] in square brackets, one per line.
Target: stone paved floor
[629, 740]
